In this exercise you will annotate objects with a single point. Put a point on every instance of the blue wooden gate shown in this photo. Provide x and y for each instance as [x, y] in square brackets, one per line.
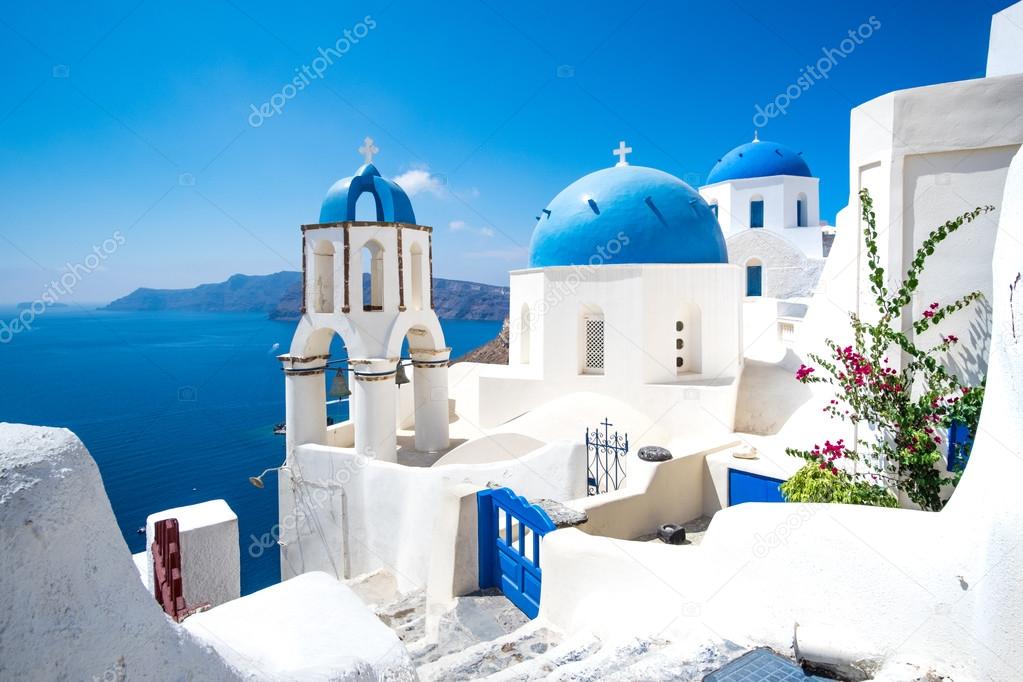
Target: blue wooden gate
[746, 487]
[510, 529]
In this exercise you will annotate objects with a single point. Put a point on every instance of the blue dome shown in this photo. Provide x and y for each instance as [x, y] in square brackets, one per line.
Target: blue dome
[758, 159]
[392, 204]
[661, 220]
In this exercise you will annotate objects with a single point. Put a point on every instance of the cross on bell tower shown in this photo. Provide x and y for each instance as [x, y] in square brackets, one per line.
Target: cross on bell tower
[621, 152]
[368, 149]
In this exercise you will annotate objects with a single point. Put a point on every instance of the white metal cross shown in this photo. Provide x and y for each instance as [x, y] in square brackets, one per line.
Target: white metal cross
[368, 149]
[621, 152]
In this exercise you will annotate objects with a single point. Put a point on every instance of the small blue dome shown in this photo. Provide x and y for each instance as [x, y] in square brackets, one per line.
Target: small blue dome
[758, 159]
[627, 214]
[392, 204]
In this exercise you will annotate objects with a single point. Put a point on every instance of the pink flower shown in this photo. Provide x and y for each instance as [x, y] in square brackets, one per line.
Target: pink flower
[928, 313]
[803, 372]
[934, 306]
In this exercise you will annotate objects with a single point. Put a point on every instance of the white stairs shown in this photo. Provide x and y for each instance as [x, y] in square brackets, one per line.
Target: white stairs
[486, 637]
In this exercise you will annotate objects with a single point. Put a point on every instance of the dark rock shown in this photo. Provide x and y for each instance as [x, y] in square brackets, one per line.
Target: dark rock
[654, 453]
[560, 515]
[672, 534]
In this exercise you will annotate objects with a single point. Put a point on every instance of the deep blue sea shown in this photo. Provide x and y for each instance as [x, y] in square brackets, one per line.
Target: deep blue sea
[176, 408]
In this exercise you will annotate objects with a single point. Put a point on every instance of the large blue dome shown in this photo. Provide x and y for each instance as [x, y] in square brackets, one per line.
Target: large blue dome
[627, 214]
[758, 159]
[392, 204]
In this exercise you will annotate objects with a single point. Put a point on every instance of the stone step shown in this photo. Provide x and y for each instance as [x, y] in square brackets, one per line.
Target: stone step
[486, 658]
[678, 661]
[375, 589]
[571, 651]
[403, 610]
[481, 617]
[608, 660]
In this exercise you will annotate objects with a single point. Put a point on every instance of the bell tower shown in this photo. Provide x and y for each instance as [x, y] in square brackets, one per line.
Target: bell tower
[370, 282]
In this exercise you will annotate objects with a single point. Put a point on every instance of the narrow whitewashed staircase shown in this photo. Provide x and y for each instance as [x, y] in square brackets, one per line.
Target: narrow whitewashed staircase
[485, 637]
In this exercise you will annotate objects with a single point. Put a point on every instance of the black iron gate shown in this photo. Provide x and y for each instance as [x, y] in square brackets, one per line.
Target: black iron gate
[605, 459]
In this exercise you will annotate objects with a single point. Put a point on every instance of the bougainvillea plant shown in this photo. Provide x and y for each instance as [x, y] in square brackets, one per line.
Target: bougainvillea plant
[901, 408]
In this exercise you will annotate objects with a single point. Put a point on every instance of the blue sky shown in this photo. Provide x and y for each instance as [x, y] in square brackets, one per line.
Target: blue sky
[136, 118]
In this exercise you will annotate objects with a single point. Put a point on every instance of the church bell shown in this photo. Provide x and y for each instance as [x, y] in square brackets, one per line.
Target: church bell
[399, 375]
[339, 386]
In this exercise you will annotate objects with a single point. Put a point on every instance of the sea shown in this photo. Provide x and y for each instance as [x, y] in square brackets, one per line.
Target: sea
[175, 407]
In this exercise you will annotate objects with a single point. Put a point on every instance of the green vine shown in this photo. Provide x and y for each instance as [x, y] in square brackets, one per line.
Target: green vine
[903, 407]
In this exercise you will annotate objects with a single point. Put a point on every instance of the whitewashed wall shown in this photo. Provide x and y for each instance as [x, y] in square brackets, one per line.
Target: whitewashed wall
[779, 193]
[926, 155]
[347, 515]
[787, 271]
[73, 607]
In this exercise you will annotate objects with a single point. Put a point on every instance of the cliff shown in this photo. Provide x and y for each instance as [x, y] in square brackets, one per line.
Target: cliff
[280, 296]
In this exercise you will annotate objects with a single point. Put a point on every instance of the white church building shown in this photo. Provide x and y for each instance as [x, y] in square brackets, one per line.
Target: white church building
[768, 204]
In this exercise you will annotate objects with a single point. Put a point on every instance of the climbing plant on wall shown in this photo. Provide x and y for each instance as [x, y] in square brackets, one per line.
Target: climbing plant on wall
[900, 406]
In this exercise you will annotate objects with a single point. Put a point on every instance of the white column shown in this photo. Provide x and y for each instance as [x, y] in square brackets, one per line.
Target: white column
[374, 409]
[430, 383]
[305, 400]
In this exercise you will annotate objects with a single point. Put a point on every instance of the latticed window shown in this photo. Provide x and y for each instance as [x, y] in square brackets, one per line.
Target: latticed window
[594, 344]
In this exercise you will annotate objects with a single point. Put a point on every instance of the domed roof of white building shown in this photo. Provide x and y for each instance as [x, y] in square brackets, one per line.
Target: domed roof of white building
[392, 204]
[627, 214]
[758, 159]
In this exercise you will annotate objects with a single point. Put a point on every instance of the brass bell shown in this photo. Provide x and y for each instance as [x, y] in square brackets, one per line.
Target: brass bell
[339, 386]
[399, 375]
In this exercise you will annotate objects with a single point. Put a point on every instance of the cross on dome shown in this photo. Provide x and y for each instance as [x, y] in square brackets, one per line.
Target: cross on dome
[756, 135]
[368, 149]
[621, 152]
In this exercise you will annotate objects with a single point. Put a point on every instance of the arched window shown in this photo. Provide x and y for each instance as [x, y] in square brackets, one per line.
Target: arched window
[592, 340]
[754, 277]
[801, 210]
[525, 337]
[416, 256]
[373, 276]
[323, 277]
[756, 211]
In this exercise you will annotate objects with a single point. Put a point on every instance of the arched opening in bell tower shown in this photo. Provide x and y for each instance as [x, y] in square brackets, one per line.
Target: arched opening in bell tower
[323, 282]
[373, 276]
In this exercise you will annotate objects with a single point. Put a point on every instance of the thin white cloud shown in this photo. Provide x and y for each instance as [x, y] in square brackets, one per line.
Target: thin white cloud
[462, 226]
[421, 181]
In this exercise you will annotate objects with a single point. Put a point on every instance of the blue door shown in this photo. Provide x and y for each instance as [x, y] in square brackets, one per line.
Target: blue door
[959, 445]
[746, 487]
[753, 280]
[510, 529]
